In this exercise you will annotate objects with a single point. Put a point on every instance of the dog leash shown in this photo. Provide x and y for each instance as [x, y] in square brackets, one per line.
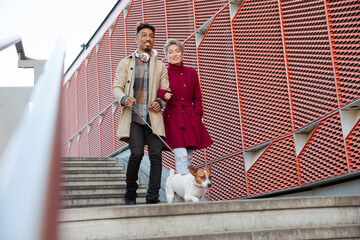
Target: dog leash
[153, 130]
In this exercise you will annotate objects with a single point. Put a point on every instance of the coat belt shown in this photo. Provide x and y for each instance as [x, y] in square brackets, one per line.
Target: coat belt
[180, 116]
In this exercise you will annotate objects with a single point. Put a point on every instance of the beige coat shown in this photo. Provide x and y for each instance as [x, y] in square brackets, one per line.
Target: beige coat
[124, 86]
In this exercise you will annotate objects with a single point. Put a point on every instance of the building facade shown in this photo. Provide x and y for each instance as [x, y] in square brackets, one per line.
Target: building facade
[280, 82]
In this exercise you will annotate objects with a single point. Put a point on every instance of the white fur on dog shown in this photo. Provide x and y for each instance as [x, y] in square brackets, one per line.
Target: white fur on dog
[185, 187]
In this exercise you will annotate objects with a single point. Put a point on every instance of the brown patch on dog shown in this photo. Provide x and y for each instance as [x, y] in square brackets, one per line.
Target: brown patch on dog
[200, 174]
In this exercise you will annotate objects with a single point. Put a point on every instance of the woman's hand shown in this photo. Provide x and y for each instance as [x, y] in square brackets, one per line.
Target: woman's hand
[167, 96]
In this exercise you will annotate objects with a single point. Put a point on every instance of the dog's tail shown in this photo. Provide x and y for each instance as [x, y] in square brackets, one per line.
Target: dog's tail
[169, 190]
[171, 175]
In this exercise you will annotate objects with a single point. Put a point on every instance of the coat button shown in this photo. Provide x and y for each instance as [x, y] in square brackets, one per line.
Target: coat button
[128, 81]
[184, 85]
[131, 68]
[181, 73]
[182, 99]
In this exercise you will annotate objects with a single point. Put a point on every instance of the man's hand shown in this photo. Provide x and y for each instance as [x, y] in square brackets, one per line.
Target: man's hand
[130, 101]
[155, 106]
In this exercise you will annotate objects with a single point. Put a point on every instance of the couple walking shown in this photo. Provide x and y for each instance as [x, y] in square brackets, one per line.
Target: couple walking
[143, 86]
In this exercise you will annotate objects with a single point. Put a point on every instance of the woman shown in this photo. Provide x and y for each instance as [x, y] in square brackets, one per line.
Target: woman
[184, 129]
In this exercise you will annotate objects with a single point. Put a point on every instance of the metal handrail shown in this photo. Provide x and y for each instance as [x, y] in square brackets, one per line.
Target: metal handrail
[14, 40]
[30, 164]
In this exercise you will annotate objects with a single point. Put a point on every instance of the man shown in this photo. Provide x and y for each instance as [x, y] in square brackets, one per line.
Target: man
[138, 79]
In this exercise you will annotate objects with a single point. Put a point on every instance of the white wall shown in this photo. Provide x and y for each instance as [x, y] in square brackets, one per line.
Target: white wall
[12, 104]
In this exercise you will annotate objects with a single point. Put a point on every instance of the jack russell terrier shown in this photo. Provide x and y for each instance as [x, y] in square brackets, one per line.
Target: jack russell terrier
[190, 187]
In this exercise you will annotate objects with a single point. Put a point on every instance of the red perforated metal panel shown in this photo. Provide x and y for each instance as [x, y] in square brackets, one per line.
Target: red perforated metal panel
[168, 160]
[228, 179]
[324, 153]
[344, 23]
[205, 9]
[276, 168]
[81, 96]
[92, 86]
[74, 149]
[64, 150]
[104, 69]
[107, 134]
[116, 117]
[261, 70]
[117, 44]
[83, 143]
[190, 54]
[94, 139]
[311, 71]
[184, 10]
[198, 157]
[73, 126]
[219, 88]
[64, 114]
[154, 13]
[134, 15]
[353, 148]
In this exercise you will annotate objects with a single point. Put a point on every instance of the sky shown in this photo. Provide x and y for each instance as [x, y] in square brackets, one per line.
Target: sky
[40, 23]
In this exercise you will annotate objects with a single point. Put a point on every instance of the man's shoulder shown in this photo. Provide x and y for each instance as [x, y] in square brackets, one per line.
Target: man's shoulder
[126, 60]
[159, 62]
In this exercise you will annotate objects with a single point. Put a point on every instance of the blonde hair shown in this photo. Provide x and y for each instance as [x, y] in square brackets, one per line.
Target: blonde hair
[170, 42]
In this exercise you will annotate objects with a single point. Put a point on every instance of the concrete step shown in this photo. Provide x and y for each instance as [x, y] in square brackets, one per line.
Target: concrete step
[331, 232]
[93, 185]
[98, 197]
[93, 170]
[94, 166]
[88, 159]
[97, 202]
[91, 164]
[96, 191]
[95, 182]
[93, 177]
[140, 193]
[261, 217]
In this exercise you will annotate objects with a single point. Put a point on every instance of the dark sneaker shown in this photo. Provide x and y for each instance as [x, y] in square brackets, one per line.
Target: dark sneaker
[129, 202]
[152, 201]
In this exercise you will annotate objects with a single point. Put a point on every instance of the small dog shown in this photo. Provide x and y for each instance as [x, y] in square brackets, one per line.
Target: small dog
[190, 187]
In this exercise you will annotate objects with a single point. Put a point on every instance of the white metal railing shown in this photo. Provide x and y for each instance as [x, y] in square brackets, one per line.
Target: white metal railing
[30, 164]
[9, 41]
[13, 40]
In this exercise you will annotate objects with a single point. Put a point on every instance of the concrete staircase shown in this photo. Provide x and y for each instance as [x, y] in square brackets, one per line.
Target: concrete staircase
[330, 217]
[95, 182]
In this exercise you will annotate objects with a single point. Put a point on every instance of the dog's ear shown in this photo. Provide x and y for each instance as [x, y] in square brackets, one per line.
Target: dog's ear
[209, 167]
[193, 170]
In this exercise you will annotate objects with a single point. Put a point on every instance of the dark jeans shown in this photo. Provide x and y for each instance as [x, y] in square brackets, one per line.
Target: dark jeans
[139, 136]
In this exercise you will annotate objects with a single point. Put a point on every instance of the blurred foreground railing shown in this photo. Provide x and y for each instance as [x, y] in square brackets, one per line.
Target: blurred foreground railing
[30, 164]
[13, 40]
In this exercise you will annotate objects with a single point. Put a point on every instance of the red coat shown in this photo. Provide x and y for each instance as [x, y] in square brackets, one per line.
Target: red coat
[183, 112]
